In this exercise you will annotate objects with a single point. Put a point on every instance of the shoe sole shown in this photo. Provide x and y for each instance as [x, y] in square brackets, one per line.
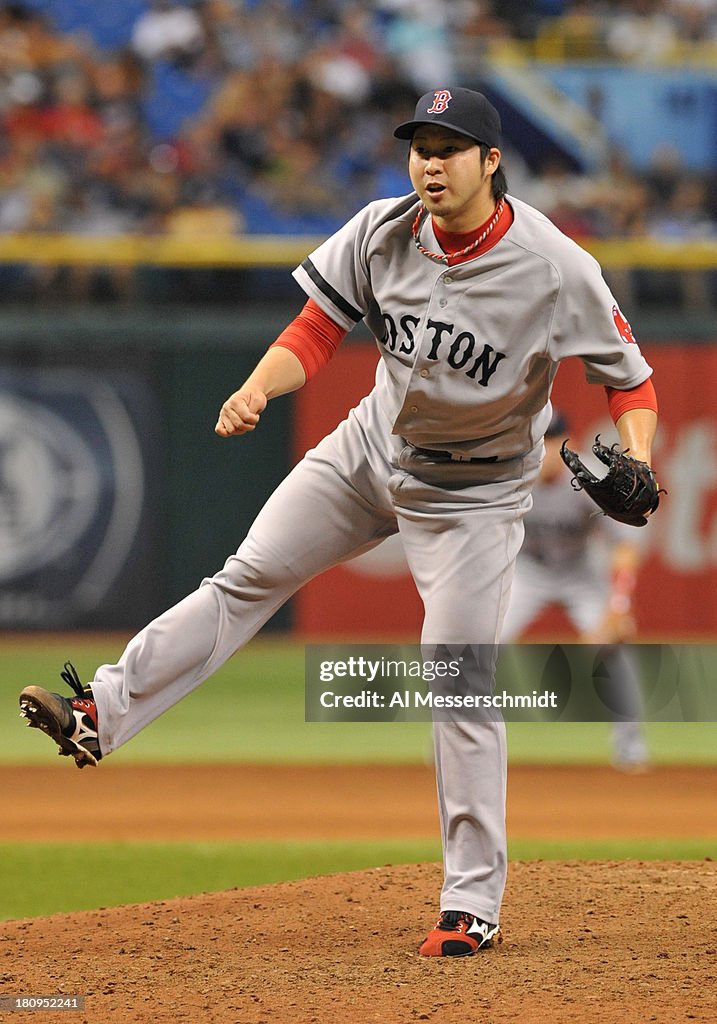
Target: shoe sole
[43, 711]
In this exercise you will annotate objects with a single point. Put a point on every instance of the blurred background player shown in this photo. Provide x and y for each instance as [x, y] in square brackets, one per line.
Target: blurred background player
[586, 564]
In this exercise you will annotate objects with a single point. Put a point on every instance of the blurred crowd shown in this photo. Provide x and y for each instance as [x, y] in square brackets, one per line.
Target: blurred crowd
[275, 116]
[642, 31]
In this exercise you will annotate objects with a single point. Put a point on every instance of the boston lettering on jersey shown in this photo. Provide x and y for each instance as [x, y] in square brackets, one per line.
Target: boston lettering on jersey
[461, 351]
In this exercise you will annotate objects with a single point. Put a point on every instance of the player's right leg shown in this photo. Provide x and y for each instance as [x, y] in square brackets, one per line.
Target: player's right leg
[332, 506]
[70, 721]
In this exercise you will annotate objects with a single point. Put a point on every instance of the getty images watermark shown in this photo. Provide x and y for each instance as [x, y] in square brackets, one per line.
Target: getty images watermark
[512, 682]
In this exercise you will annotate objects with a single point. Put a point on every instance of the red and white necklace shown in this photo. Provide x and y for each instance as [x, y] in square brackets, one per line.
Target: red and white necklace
[444, 257]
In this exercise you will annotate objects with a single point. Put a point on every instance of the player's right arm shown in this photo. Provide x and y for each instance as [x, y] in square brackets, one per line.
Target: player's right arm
[299, 352]
[330, 312]
[278, 372]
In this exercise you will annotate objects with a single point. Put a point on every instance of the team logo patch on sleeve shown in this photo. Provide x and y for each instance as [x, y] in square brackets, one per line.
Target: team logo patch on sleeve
[623, 327]
[441, 99]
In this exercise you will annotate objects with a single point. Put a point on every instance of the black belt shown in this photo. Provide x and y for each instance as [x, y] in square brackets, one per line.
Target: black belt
[452, 457]
[443, 469]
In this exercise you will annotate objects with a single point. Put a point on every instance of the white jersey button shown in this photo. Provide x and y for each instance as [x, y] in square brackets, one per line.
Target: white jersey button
[424, 373]
[448, 279]
[443, 302]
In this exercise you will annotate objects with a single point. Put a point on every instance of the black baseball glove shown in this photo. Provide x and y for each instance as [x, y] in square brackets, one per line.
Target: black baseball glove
[627, 492]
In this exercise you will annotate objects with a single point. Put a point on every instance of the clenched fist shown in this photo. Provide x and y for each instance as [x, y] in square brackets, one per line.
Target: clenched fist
[240, 413]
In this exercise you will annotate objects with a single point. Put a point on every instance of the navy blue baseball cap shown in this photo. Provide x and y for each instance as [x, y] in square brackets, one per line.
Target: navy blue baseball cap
[461, 110]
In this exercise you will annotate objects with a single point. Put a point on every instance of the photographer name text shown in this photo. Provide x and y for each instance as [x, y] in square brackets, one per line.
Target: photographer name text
[415, 699]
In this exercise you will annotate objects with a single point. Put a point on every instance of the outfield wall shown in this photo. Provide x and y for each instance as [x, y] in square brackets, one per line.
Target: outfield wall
[116, 495]
[374, 595]
[117, 498]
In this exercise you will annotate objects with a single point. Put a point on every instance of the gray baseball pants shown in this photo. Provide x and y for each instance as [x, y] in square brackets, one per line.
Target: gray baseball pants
[346, 496]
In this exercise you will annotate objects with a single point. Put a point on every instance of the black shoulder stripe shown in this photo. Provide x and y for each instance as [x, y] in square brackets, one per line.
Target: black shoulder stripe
[338, 300]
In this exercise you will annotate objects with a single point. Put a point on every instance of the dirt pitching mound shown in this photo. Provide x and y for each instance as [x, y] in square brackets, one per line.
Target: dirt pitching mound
[584, 941]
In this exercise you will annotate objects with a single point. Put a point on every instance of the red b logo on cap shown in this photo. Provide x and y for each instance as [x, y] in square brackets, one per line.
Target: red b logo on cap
[441, 99]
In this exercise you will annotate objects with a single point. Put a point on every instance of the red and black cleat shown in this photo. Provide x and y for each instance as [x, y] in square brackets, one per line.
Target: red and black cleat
[459, 934]
[70, 721]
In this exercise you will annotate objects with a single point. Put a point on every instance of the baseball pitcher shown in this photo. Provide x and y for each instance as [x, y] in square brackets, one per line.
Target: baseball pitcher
[474, 299]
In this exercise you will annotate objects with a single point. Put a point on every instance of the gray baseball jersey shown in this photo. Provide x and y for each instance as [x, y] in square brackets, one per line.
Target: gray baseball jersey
[470, 352]
[469, 355]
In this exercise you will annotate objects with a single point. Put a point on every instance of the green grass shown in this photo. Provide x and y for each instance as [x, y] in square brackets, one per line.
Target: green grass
[589, 742]
[62, 877]
[34, 877]
[611, 849]
[253, 710]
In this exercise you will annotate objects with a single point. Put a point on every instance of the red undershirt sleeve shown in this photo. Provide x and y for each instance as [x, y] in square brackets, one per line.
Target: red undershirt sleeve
[313, 337]
[641, 397]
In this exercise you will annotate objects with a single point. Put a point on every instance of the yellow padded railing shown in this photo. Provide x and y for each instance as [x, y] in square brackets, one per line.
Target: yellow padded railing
[579, 41]
[159, 251]
[262, 251]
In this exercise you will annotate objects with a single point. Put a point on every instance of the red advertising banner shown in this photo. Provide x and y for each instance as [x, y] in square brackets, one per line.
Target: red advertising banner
[374, 597]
